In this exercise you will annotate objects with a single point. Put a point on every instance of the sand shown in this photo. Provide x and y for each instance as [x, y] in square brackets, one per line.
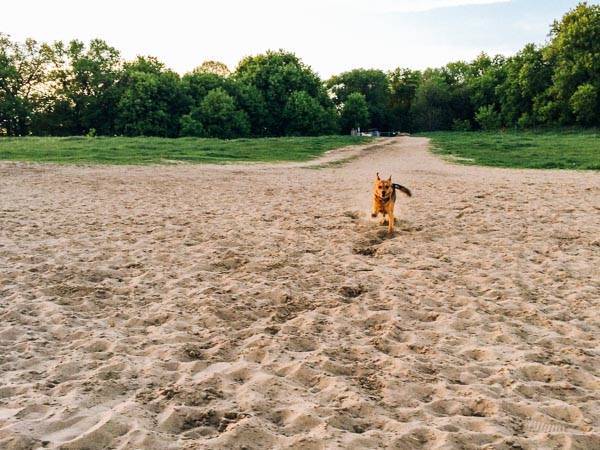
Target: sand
[260, 306]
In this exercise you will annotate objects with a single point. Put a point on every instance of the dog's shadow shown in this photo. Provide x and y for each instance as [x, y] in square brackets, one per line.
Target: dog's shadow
[401, 226]
[371, 233]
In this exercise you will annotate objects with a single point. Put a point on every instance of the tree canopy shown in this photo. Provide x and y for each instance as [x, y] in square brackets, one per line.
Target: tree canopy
[355, 112]
[373, 85]
[74, 88]
[280, 77]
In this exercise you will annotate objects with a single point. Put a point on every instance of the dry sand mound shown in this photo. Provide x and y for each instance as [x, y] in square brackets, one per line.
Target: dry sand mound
[258, 307]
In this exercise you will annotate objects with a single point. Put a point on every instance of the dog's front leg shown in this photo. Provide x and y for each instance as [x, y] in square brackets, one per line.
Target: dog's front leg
[374, 209]
[391, 222]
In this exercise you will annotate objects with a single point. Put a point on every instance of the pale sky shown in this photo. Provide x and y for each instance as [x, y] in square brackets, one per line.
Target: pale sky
[329, 35]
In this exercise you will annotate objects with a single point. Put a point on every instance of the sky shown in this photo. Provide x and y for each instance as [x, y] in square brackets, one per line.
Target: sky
[331, 36]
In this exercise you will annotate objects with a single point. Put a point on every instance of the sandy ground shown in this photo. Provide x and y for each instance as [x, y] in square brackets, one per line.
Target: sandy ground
[260, 306]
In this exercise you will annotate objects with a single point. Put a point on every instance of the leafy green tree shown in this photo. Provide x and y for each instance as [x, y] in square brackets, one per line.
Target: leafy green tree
[485, 73]
[304, 116]
[522, 92]
[431, 109]
[152, 100]
[459, 78]
[584, 103]
[355, 112]
[403, 85]
[85, 92]
[214, 67]
[197, 84]
[248, 98]
[276, 75]
[23, 73]
[472, 85]
[574, 51]
[373, 84]
[217, 116]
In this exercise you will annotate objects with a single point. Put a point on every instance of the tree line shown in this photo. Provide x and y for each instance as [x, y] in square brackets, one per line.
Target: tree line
[60, 89]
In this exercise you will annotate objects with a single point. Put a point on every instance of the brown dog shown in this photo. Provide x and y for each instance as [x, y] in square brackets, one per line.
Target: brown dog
[384, 198]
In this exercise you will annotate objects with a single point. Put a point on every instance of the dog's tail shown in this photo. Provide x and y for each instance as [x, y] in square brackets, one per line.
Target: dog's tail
[402, 188]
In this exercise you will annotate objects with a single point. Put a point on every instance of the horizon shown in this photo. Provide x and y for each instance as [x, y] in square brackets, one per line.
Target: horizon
[394, 33]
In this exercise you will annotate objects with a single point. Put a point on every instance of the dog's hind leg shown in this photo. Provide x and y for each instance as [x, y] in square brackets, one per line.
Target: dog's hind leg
[383, 219]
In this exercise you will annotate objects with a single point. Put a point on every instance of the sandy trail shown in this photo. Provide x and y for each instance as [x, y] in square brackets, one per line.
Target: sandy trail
[260, 307]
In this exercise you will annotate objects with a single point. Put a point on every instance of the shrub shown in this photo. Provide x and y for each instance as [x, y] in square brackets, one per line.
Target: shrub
[488, 118]
[584, 104]
[525, 121]
[191, 126]
[216, 116]
[461, 125]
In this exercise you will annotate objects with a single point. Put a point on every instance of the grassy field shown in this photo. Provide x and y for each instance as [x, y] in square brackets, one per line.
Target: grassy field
[151, 150]
[537, 150]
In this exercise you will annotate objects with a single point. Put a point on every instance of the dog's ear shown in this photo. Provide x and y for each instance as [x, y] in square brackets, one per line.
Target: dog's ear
[390, 179]
[378, 176]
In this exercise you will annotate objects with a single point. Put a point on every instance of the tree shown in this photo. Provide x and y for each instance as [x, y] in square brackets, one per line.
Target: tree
[217, 116]
[403, 86]
[574, 51]
[431, 109]
[152, 100]
[304, 116]
[23, 72]
[85, 94]
[584, 103]
[214, 67]
[248, 98]
[471, 85]
[484, 75]
[521, 94]
[276, 75]
[373, 84]
[460, 78]
[355, 112]
[197, 84]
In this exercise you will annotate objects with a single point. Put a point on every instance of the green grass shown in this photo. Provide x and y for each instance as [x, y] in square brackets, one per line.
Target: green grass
[538, 150]
[151, 150]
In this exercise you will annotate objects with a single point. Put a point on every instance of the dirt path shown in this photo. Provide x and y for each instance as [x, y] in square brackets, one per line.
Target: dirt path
[259, 306]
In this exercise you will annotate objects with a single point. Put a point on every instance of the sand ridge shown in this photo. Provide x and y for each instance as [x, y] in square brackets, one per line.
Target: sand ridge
[198, 306]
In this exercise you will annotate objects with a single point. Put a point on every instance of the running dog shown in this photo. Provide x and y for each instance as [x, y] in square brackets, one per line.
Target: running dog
[384, 197]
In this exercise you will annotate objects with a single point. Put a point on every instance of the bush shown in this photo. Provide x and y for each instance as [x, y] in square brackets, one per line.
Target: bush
[525, 121]
[488, 118]
[584, 104]
[217, 116]
[461, 125]
[191, 127]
